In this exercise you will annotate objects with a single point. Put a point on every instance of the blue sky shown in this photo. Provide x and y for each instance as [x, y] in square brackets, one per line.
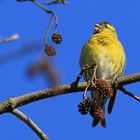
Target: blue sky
[58, 117]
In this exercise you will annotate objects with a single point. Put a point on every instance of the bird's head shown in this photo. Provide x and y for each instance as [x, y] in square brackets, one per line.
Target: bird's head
[103, 26]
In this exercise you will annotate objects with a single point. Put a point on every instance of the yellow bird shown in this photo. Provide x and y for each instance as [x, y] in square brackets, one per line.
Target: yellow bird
[104, 49]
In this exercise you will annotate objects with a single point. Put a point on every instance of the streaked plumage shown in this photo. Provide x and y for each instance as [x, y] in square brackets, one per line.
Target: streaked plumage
[104, 48]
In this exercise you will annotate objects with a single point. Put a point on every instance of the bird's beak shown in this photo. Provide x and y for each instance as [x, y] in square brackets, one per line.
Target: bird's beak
[97, 28]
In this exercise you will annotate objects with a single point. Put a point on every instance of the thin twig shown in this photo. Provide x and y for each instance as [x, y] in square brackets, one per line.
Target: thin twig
[42, 7]
[56, 2]
[30, 123]
[48, 11]
[47, 30]
[12, 103]
[85, 67]
[53, 16]
[129, 93]
[50, 3]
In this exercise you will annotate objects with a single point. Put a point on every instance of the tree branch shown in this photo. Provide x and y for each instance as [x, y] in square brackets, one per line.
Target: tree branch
[12, 103]
[56, 2]
[30, 123]
[122, 89]
[47, 11]
[10, 39]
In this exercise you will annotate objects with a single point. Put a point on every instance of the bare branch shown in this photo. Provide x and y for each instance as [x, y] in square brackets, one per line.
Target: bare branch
[43, 8]
[123, 81]
[50, 50]
[48, 11]
[129, 94]
[30, 123]
[12, 103]
[45, 67]
[9, 39]
[56, 2]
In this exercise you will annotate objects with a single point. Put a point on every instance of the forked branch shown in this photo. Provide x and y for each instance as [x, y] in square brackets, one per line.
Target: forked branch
[12, 103]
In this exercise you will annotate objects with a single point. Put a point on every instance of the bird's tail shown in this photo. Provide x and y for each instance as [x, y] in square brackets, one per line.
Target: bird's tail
[96, 121]
[99, 110]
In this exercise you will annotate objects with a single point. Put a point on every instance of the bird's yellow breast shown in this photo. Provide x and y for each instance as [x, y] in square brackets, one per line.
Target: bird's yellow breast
[105, 50]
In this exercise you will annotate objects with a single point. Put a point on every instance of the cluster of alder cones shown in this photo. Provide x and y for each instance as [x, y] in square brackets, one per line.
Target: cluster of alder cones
[93, 106]
[50, 50]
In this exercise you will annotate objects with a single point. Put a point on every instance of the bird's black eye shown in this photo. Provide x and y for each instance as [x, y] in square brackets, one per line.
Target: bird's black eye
[105, 25]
